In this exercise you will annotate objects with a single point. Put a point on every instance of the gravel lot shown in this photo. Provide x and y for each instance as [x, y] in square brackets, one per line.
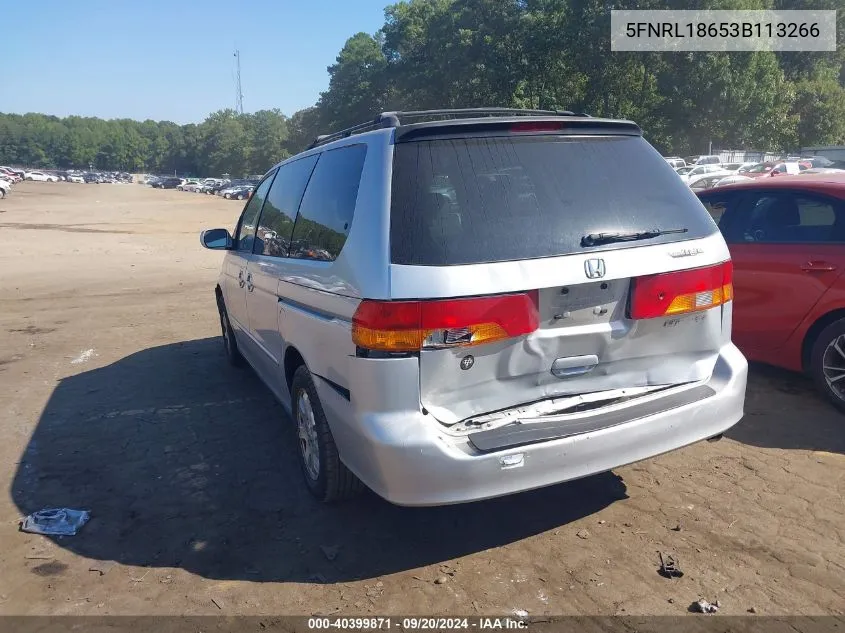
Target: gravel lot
[115, 397]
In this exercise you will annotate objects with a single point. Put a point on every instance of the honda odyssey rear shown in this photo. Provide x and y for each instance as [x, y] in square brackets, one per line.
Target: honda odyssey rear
[517, 314]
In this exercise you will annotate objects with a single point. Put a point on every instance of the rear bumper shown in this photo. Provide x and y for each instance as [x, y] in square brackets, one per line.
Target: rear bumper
[404, 456]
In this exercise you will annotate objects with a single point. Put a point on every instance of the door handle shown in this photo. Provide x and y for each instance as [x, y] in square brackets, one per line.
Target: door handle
[249, 286]
[817, 267]
[241, 281]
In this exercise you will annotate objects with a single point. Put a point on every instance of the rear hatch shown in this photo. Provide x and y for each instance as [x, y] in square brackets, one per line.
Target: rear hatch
[530, 264]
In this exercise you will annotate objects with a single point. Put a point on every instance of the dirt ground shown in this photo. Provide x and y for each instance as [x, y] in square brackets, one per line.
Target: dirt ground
[115, 397]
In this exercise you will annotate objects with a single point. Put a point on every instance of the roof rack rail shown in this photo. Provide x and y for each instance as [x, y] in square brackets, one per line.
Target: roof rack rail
[395, 119]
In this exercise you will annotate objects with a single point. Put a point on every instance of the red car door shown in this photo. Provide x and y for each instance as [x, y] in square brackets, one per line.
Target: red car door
[784, 259]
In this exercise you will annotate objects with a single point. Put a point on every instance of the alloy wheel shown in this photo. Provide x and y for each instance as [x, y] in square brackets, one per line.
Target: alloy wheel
[307, 431]
[833, 366]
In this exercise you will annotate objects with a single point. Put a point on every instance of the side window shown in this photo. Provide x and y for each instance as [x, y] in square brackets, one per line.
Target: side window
[717, 204]
[815, 212]
[276, 224]
[787, 217]
[325, 214]
[249, 218]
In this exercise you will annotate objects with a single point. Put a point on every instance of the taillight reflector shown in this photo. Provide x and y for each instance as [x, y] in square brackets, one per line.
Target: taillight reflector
[670, 294]
[406, 326]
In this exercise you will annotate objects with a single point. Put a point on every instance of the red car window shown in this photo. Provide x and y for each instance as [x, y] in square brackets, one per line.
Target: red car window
[772, 217]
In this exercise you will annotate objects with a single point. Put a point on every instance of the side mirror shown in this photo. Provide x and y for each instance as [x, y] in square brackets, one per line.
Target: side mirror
[216, 239]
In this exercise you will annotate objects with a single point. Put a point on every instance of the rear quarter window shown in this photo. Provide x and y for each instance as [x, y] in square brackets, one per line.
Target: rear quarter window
[473, 200]
[328, 205]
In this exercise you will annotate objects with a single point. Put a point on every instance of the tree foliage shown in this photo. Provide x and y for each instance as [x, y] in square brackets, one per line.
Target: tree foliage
[550, 54]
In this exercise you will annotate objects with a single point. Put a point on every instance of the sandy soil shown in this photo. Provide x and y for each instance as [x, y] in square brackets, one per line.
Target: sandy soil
[115, 397]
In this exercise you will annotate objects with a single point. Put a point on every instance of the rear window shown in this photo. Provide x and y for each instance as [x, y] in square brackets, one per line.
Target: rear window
[492, 199]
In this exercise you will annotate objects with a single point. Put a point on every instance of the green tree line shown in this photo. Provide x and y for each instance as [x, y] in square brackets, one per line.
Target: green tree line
[224, 143]
[550, 54]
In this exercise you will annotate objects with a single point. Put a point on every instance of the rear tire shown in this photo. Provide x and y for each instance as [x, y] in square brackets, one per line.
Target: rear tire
[230, 343]
[827, 363]
[327, 478]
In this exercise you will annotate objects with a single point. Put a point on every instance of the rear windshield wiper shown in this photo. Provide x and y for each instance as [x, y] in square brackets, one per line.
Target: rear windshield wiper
[594, 239]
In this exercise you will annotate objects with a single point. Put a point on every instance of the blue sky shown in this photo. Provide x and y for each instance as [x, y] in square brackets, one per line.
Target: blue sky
[172, 60]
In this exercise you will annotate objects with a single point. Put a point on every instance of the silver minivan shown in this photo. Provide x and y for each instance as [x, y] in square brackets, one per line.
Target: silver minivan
[460, 304]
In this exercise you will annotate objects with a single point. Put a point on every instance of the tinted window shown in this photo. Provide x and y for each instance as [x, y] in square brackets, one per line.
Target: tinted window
[717, 204]
[472, 200]
[276, 223]
[249, 218]
[784, 217]
[325, 214]
[759, 169]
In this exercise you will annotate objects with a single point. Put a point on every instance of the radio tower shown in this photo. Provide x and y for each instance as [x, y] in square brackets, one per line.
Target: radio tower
[239, 95]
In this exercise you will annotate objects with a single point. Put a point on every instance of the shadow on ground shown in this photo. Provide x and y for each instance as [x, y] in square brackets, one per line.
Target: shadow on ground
[784, 410]
[186, 462]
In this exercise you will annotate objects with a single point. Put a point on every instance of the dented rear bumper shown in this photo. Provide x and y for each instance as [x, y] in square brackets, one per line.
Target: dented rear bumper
[409, 459]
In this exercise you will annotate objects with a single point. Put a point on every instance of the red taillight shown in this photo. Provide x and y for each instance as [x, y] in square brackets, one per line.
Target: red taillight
[406, 326]
[535, 127]
[681, 292]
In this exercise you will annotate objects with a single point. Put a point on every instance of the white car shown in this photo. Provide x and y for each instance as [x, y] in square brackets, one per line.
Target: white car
[708, 160]
[676, 162]
[5, 188]
[40, 176]
[700, 170]
[709, 179]
[75, 178]
[729, 180]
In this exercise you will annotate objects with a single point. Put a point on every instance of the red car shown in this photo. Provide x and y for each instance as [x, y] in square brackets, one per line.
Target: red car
[787, 240]
[781, 168]
[9, 175]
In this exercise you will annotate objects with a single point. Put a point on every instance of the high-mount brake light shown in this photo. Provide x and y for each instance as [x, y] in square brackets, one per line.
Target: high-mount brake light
[536, 126]
[681, 292]
[410, 326]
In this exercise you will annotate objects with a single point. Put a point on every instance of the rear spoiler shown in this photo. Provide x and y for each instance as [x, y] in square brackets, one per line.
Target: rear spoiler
[518, 125]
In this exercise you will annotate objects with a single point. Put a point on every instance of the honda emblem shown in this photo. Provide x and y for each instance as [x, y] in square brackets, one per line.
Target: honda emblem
[594, 268]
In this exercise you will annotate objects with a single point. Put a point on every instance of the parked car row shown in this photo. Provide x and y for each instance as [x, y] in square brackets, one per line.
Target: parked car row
[685, 165]
[72, 175]
[91, 177]
[239, 189]
[708, 174]
[8, 178]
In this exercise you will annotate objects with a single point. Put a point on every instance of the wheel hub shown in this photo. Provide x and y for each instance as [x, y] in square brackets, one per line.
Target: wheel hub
[307, 430]
[833, 366]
